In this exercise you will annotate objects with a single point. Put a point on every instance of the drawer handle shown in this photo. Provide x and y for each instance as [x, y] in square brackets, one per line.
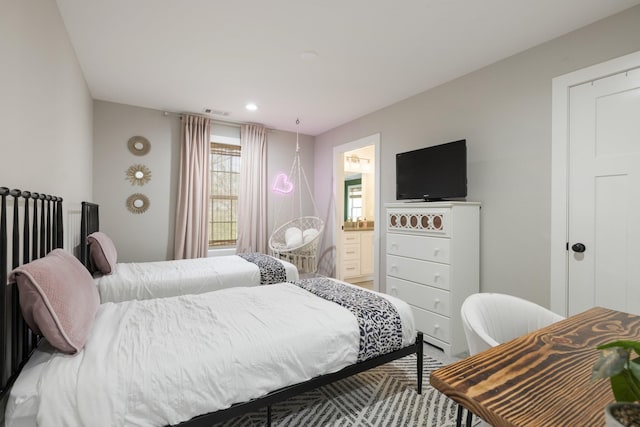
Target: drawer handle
[436, 302]
[394, 245]
[436, 251]
[436, 327]
[394, 267]
[394, 290]
[436, 277]
[351, 268]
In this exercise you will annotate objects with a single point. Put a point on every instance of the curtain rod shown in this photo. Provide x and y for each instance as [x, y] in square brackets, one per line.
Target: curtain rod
[213, 121]
[220, 122]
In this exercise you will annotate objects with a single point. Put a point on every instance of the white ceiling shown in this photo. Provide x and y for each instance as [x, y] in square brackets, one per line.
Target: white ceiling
[185, 55]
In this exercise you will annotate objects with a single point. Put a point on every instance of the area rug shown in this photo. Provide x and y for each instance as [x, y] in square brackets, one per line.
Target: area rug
[381, 397]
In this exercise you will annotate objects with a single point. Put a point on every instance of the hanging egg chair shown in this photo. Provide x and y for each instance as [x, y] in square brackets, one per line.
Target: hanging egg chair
[296, 241]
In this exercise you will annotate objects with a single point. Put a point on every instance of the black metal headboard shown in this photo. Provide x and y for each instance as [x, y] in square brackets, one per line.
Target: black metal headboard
[41, 232]
[89, 223]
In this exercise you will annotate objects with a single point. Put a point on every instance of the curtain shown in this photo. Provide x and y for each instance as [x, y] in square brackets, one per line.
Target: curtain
[252, 197]
[192, 233]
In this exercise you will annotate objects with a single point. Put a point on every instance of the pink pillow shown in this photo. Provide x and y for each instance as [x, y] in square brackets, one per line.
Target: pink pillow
[58, 298]
[102, 252]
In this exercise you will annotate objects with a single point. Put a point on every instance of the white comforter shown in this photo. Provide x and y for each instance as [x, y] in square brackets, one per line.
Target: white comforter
[147, 280]
[158, 362]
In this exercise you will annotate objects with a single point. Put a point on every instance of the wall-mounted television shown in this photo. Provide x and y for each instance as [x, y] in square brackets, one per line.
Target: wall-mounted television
[432, 173]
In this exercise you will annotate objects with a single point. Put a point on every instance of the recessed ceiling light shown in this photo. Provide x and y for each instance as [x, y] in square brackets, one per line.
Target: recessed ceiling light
[251, 106]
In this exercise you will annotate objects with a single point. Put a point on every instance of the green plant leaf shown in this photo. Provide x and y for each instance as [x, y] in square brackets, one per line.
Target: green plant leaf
[634, 367]
[626, 344]
[611, 362]
[625, 387]
[624, 374]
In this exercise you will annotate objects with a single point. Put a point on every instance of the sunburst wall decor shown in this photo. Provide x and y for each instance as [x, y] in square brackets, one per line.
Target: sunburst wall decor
[138, 174]
[137, 203]
[138, 145]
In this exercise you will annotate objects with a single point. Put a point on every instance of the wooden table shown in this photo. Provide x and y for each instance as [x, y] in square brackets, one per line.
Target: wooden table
[542, 378]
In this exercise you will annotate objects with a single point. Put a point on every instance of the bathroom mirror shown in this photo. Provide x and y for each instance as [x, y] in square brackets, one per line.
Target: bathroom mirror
[139, 145]
[353, 197]
[137, 203]
[138, 174]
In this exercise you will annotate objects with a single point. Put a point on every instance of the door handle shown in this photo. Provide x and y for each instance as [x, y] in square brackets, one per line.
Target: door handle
[578, 247]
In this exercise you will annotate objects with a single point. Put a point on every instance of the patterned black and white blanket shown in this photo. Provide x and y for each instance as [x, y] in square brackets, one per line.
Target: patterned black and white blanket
[271, 270]
[379, 322]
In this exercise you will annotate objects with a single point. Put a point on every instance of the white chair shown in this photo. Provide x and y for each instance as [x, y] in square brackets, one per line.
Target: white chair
[490, 319]
[300, 252]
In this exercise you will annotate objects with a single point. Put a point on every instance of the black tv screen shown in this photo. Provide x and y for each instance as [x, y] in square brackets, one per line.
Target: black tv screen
[433, 173]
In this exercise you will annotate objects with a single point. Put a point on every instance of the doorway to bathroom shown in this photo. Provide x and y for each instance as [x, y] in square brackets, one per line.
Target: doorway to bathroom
[356, 235]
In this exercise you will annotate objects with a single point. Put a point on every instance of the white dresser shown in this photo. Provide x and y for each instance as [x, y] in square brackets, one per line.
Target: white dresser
[433, 264]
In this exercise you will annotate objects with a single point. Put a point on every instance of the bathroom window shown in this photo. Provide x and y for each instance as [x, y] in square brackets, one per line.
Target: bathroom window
[353, 202]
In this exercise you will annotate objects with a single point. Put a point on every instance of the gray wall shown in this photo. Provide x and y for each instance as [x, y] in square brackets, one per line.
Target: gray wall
[45, 108]
[504, 112]
[150, 236]
[137, 237]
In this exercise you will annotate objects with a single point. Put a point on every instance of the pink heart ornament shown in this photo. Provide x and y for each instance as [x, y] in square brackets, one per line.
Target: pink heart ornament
[282, 184]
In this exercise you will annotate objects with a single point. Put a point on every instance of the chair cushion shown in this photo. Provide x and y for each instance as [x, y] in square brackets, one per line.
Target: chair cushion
[293, 237]
[309, 234]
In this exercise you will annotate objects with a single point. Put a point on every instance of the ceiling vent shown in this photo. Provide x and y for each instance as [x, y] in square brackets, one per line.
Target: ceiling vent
[215, 112]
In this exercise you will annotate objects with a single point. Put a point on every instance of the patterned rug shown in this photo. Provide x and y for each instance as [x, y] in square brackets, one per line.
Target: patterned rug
[381, 397]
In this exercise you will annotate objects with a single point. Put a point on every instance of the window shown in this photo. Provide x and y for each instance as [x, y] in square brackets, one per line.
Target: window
[355, 202]
[353, 197]
[223, 197]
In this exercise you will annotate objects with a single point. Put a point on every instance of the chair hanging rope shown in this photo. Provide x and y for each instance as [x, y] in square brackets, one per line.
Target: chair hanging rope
[296, 240]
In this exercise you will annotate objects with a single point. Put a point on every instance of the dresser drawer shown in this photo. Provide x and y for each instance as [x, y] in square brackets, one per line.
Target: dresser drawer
[415, 270]
[423, 221]
[351, 252]
[422, 296]
[351, 268]
[420, 247]
[352, 237]
[432, 324]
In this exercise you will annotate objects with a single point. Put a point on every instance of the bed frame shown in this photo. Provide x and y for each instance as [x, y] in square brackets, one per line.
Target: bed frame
[89, 223]
[42, 231]
[19, 342]
[284, 393]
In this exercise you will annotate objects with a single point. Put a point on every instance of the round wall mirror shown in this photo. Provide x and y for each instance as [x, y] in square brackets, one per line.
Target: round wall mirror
[138, 174]
[137, 203]
[139, 145]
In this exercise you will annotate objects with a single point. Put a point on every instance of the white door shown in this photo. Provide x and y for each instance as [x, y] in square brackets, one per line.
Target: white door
[604, 194]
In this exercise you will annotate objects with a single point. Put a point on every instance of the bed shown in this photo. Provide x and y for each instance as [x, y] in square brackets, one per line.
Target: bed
[118, 282]
[248, 347]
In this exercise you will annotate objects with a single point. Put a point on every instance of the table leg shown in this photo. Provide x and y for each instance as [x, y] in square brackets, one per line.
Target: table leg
[459, 416]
